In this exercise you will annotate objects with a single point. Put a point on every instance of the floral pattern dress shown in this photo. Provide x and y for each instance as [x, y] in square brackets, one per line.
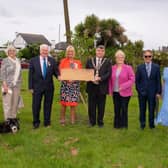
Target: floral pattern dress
[70, 90]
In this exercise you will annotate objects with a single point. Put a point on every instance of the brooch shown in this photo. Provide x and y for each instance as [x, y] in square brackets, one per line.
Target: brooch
[49, 64]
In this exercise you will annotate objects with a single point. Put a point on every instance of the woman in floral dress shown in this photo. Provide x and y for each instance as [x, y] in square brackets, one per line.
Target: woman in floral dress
[70, 90]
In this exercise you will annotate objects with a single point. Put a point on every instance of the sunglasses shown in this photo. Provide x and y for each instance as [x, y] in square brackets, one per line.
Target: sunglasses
[148, 56]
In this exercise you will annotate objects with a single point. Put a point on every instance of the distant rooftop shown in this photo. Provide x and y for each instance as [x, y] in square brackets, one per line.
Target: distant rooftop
[34, 38]
[61, 46]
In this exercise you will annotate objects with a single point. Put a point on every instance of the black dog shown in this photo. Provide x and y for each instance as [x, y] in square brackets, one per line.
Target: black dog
[10, 125]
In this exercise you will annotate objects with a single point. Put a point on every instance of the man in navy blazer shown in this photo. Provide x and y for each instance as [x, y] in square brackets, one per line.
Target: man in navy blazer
[148, 86]
[41, 71]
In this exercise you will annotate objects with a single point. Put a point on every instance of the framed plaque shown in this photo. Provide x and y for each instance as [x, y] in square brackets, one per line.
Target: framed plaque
[77, 74]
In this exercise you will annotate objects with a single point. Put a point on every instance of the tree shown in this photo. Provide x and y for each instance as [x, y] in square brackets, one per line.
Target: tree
[2, 54]
[84, 47]
[30, 51]
[110, 31]
[161, 58]
[133, 52]
[67, 23]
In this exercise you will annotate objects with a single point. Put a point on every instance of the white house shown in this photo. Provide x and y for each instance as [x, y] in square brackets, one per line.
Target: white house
[23, 39]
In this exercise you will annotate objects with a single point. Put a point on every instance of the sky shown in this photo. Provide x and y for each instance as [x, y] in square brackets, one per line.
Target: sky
[143, 19]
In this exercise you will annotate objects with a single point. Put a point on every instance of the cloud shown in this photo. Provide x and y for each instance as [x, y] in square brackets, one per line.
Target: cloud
[4, 12]
[16, 22]
[134, 35]
[143, 20]
[33, 8]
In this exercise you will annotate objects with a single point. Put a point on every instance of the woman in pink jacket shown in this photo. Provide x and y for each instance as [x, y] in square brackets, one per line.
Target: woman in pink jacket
[120, 86]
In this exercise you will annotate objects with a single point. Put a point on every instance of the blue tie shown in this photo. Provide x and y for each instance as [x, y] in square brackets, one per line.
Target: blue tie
[44, 68]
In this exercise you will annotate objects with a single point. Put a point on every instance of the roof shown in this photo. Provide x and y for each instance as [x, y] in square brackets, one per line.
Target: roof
[61, 46]
[34, 38]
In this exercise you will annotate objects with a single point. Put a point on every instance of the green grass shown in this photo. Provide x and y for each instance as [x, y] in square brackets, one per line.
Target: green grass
[97, 147]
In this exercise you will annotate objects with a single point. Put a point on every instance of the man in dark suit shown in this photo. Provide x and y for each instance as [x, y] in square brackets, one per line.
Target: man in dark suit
[41, 71]
[148, 86]
[98, 88]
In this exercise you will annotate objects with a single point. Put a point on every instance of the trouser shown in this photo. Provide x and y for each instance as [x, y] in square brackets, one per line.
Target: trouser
[10, 103]
[96, 100]
[120, 110]
[143, 100]
[36, 106]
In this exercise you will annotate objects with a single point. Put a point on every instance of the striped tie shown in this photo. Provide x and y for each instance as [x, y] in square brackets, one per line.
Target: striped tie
[148, 69]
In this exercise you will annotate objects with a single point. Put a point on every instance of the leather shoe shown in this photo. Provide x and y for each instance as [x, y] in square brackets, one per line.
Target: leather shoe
[35, 126]
[152, 127]
[142, 128]
[47, 125]
[91, 125]
[101, 126]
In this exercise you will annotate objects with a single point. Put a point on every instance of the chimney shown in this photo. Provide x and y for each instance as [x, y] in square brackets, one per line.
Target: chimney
[16, 34]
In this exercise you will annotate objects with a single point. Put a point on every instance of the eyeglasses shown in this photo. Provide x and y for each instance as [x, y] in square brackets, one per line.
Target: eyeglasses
[148, 56]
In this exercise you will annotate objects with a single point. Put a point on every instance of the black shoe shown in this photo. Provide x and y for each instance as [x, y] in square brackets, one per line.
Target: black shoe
[47, 125]
[117, 127]
[142, 128]
[35, 126]
[91, 125]
[152, 127]
[101, 126]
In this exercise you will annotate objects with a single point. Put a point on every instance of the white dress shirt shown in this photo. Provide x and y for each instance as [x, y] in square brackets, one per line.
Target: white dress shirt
[98, 61]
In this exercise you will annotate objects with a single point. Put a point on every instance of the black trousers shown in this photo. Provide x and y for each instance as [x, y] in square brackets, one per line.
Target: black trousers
[36, 106]
[143, 100]
[96, 101]
[120, 110]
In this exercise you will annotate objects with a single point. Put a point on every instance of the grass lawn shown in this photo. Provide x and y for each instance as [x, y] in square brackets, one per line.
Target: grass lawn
[77, 146]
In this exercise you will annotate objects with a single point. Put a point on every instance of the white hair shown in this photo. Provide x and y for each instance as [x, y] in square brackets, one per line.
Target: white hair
[119, 52]
[9, 48]
[44, 46]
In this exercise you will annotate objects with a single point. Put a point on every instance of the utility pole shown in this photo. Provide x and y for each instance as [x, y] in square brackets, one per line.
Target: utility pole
[67, 24]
